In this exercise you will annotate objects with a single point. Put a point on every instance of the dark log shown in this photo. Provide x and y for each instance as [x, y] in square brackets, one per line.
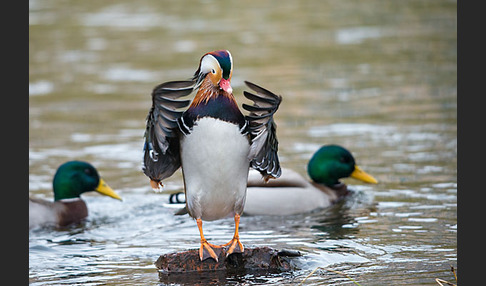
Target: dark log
[256, 260]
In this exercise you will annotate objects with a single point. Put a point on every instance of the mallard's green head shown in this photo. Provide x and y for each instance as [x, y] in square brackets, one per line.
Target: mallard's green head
[331, 163]
[76, 177]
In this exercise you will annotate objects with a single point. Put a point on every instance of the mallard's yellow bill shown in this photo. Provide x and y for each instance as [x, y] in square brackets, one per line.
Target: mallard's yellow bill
[104, 189]
[363, 176]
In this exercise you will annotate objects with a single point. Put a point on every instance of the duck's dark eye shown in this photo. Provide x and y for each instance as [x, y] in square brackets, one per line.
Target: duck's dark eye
[88, 172]
[213, 71]
[345, 159]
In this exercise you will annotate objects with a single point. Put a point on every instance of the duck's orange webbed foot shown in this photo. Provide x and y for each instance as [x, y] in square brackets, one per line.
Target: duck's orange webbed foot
[235, 245]
[208, 250]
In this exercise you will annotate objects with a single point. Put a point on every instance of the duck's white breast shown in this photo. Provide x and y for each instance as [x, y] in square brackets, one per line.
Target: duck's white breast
[215, 167]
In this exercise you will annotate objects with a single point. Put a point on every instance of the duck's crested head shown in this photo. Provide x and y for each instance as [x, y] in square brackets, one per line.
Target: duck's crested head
[218, 66]
[76, 177]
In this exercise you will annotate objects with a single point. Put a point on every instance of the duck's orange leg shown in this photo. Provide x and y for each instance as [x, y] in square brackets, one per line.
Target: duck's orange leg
[235, 245]
[207, 250]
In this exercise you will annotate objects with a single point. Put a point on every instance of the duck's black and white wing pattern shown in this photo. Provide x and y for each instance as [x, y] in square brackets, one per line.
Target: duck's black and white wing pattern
[263, 130]
[161, 148]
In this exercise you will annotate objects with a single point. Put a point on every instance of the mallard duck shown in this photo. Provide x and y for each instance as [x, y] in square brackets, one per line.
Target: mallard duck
[213, 143]
[71, 180]
[292, 193]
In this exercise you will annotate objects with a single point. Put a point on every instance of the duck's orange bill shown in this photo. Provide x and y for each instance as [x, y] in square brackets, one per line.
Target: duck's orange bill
[104, 189]
[363, 176]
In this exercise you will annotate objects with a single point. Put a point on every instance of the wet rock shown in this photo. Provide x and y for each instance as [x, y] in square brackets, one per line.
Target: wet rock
[256, 260]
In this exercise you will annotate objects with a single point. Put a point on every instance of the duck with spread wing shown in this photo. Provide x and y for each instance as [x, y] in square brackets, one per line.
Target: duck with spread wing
[213, 142]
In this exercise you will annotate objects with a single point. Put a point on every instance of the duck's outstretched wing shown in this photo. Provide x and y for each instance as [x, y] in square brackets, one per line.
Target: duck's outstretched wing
[161, 148]
[263, 130]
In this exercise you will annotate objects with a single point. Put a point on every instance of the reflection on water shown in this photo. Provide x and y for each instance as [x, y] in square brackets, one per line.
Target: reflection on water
[376, 77]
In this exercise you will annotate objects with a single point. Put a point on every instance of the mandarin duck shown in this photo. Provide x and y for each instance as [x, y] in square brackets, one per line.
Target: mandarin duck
[212, 142]
[292, 193]
[72, 179]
